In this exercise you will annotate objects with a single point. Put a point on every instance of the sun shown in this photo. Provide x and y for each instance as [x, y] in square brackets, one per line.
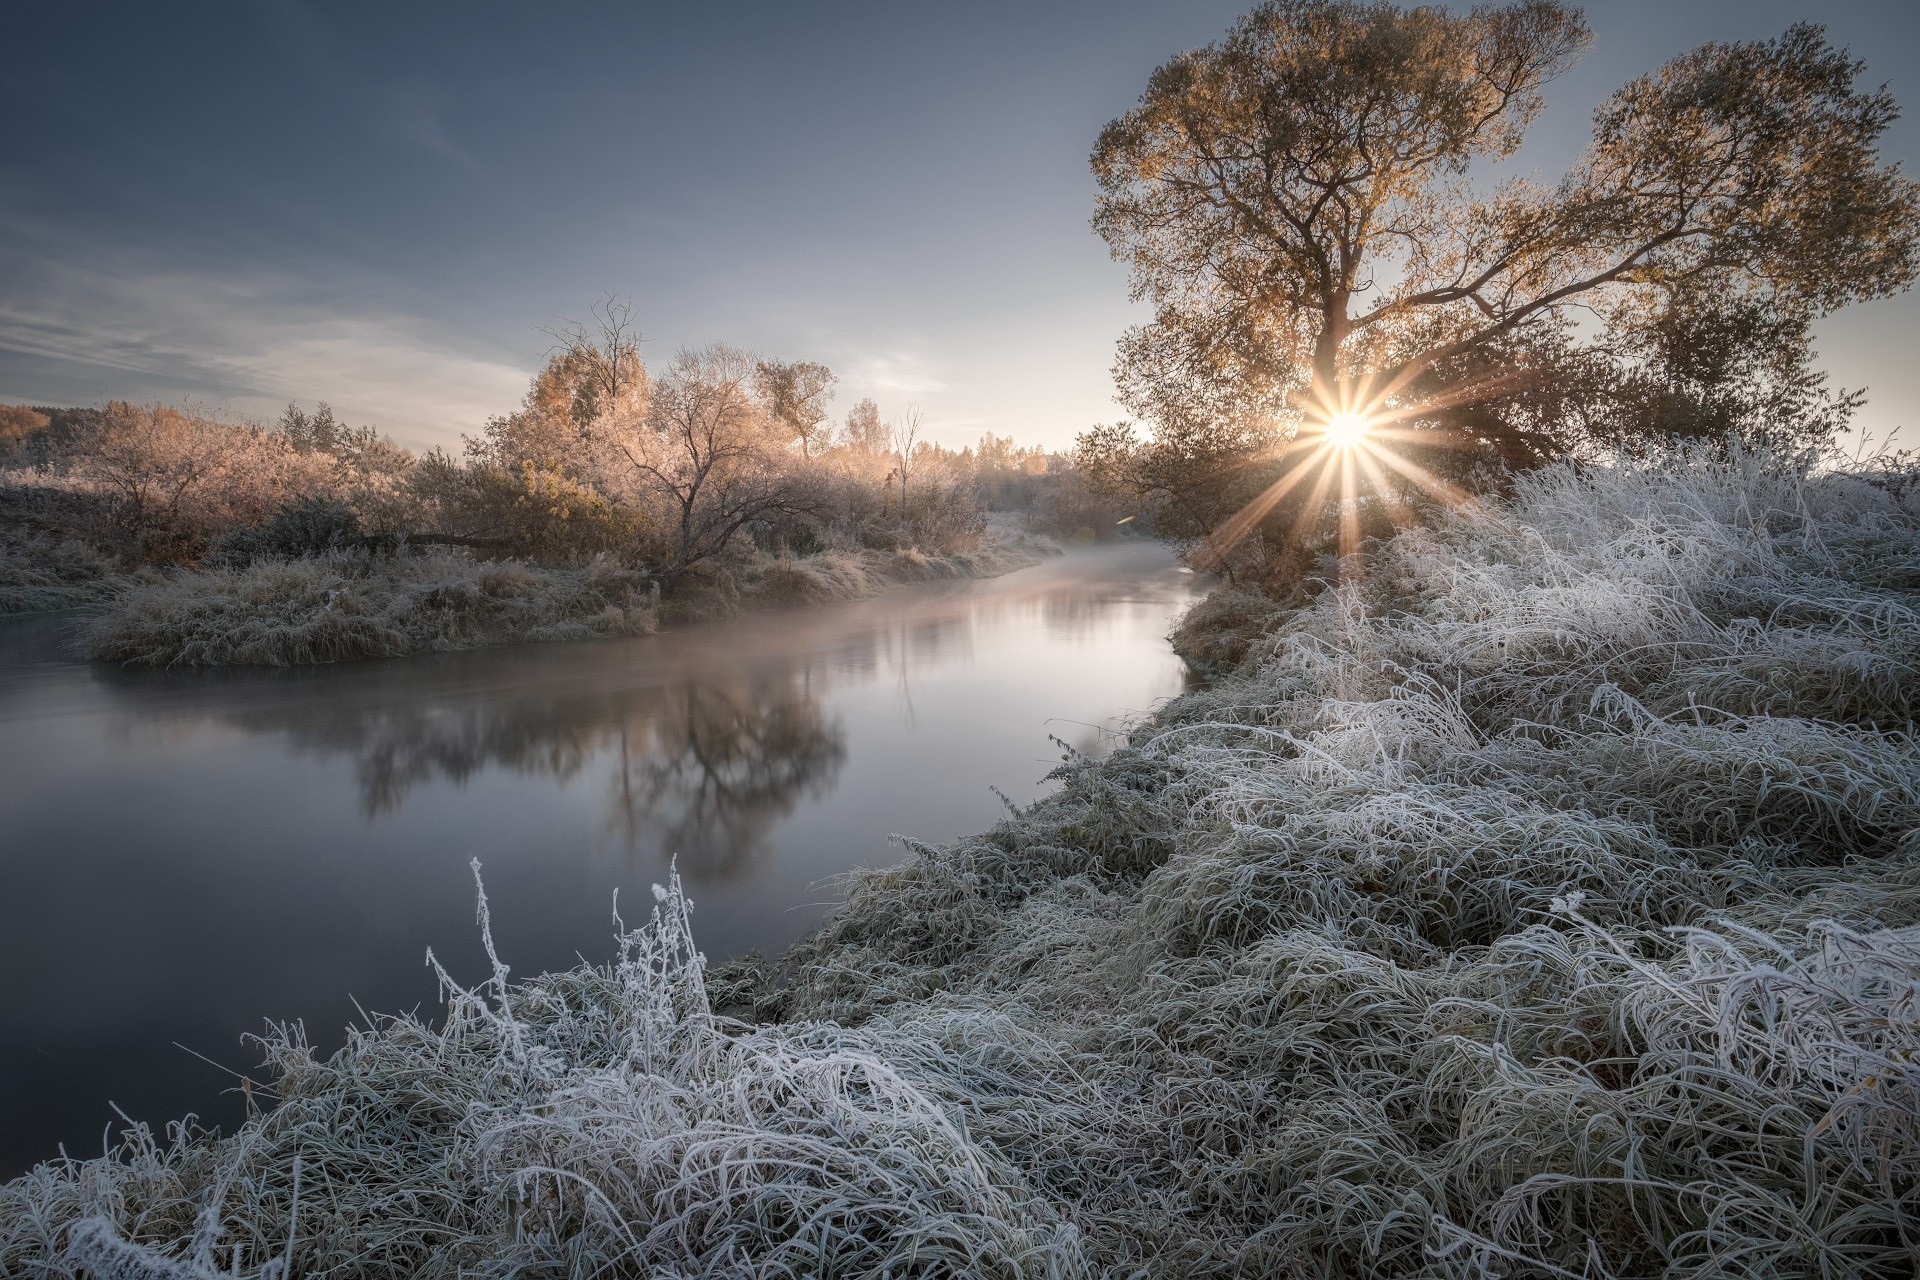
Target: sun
[1346, 430]
[1349, 447]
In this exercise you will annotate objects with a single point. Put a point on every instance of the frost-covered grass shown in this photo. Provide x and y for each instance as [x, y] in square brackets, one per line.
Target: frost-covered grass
[1216, 634]
[39, 572]
[346, 605]
[853, 575]
[1546, 904]
[341, 606]
[595, 1122]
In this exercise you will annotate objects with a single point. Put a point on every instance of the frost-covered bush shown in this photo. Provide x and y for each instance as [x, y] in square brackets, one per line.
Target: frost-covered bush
[1544, 902]
[309, 526]
[178, 478]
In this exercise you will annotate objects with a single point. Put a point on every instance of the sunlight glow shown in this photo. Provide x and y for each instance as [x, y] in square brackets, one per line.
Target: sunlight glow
[1347, 430]
[1354, 452]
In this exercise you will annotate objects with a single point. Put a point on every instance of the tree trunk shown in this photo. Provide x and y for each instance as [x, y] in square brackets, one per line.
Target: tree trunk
[1334, 328]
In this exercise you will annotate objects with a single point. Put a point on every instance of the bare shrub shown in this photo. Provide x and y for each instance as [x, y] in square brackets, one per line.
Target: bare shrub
[708, 453]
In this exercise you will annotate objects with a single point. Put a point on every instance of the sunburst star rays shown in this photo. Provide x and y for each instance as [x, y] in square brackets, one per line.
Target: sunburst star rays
[1354, 442]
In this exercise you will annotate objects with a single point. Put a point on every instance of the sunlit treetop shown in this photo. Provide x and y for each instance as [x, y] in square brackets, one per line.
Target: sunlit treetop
[1295, 202]
[1292, 199]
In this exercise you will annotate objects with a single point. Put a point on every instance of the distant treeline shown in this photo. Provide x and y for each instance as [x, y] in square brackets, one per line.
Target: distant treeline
[721, 455]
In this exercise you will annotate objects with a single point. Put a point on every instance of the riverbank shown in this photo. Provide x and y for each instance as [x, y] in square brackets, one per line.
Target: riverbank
[1541, 902]
[351, 605]
[42, 573]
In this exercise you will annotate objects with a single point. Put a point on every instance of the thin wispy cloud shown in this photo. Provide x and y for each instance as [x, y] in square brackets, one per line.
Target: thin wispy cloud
[894, 373]
[250, 340]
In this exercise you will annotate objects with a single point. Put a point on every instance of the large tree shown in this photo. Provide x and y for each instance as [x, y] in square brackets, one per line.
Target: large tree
[1294, 201]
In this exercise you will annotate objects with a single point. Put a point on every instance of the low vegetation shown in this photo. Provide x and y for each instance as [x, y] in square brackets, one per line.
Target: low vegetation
[340, 605]
[1537, 901]
[40, 572]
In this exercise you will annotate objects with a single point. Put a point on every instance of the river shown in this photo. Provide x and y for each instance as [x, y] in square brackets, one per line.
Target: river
[185, 855]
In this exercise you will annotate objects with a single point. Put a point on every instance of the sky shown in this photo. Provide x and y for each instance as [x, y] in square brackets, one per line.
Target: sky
[386, 205]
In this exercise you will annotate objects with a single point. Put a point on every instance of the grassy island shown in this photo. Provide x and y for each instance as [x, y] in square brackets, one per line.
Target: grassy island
[342, 606]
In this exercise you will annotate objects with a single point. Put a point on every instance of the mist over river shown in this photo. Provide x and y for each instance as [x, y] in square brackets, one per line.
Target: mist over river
[184, 855]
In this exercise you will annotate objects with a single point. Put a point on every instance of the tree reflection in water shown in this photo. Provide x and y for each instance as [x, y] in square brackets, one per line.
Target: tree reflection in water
[721, 766]
[702, 769]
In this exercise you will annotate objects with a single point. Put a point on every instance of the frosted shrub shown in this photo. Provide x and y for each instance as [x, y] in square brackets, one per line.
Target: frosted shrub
[176, 478]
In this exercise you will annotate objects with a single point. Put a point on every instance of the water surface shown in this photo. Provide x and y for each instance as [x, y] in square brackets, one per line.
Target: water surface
[184, 855]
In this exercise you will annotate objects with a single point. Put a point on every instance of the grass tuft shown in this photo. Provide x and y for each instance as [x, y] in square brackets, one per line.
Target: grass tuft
[39, 571]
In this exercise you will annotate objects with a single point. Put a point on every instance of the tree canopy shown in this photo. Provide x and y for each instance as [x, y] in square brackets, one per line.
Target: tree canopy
[1304, 205]
[795, 392]
[1295, 199]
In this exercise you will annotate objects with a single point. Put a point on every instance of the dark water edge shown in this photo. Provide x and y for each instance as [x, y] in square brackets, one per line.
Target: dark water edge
[183, 855]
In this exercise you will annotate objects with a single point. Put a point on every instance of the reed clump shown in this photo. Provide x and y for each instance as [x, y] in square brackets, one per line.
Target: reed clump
[1542, 901]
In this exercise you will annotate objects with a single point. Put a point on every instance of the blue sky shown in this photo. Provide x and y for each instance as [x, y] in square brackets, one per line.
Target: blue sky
[382, 204]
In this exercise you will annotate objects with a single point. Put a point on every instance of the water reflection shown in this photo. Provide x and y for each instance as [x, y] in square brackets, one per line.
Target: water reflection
[701, 761]
[718, 767]
[703, 768]
[183, 854]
